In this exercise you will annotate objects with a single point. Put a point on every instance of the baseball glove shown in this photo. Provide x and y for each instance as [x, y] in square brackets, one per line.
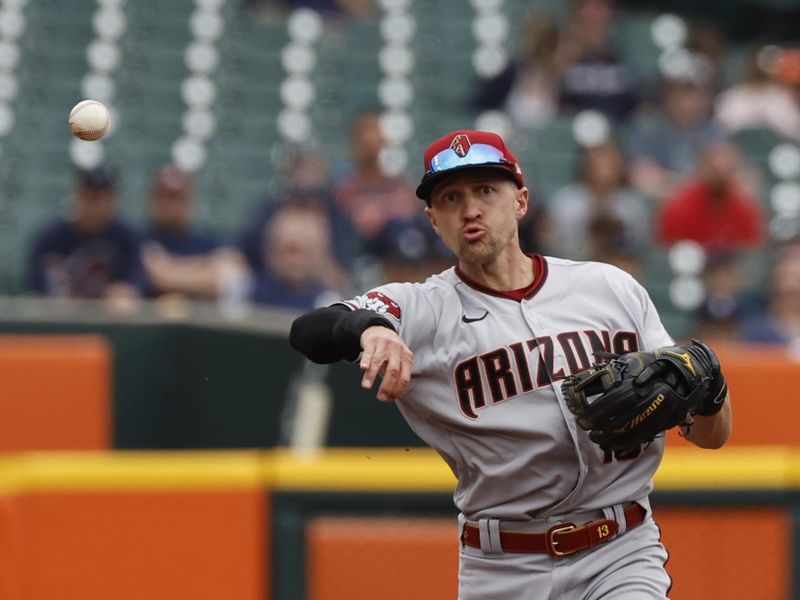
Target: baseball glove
[628, 400]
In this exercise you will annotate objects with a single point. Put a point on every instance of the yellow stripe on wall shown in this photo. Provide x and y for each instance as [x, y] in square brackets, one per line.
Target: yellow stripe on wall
[735, 468]
[105, 471]
[362, 470]
[352, 470]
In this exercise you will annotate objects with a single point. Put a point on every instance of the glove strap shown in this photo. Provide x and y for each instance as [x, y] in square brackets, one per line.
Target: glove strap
[712, 403]
[714, 398]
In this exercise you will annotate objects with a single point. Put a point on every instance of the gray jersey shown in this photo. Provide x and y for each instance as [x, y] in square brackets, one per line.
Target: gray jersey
[485, 388]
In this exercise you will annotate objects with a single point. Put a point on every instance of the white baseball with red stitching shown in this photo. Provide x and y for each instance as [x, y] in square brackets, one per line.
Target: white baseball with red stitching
[88, 120]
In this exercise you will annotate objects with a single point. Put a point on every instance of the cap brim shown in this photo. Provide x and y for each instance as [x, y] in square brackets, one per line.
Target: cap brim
[428, 182]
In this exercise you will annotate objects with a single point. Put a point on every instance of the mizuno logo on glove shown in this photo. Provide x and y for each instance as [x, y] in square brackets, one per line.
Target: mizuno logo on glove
[684, 358]
[647, 412]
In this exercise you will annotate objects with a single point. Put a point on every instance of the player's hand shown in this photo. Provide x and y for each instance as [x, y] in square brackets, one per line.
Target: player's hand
[384, 352]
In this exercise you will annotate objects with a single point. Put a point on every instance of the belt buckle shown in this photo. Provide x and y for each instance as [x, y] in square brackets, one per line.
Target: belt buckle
[551, 543]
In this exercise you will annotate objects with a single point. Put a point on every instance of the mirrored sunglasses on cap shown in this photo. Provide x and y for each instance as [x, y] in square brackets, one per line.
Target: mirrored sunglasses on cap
[478, 154]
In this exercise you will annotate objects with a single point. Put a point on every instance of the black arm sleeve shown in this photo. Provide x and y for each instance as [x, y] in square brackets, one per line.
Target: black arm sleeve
[330, 334]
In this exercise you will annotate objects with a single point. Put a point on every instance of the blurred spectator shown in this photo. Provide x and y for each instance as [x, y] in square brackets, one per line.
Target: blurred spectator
[717, 320]
[527, 89]
[665, 144]
[570, 68]
[536, 232]
[301, 167]
[92, 253]
[787, 67]
[594, 76]
[366, 194]
[601, 190]
[780, 321]
[609, 240]
[177, 258]
[170, 208]
[727, 303]
[304, 178]
[299, 269]
[767, 97]
[409, 250]
[707, 38]
[712, 208]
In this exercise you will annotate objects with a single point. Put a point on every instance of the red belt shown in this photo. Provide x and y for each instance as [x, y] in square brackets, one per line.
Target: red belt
[561, 539]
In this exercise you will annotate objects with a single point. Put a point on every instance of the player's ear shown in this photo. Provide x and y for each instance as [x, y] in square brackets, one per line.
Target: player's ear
[522, 199]
[431, 218]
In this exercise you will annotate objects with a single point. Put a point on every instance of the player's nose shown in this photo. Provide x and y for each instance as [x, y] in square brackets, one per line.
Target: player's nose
[471, 208]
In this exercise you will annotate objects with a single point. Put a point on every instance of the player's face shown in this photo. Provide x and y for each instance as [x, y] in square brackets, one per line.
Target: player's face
[476, 215]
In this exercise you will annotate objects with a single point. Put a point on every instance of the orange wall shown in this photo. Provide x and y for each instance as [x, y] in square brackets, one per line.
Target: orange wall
[727, 552]
[715, 553]
[759, 380]
[55, 392]
[133, 545]
[212, 545]
[390, 559]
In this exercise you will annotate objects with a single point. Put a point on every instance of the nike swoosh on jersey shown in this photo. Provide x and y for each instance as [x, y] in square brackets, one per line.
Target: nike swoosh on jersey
[467, 319]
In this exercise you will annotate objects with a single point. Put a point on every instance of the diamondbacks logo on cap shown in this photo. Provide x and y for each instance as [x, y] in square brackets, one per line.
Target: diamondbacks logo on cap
[460, 145]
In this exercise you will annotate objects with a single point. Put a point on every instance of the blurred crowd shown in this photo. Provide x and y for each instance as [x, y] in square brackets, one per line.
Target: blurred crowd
[668, 170]
[325, 233]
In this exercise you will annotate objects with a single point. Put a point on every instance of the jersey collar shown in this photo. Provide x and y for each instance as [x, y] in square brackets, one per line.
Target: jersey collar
[539, 276]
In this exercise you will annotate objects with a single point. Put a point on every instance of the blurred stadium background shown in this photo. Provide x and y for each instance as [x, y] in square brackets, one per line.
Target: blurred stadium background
[181, 450]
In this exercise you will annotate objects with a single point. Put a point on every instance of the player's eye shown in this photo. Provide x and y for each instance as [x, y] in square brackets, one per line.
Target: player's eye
[486, 190]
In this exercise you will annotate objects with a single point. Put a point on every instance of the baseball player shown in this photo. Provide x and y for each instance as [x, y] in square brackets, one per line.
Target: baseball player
[475, 357]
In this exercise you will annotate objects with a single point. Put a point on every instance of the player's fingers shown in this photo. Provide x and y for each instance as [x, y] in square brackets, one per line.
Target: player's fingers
[371, 365]
[405, 373]
[366, 360]
[389, 388]
[397, 384]
[366, 355]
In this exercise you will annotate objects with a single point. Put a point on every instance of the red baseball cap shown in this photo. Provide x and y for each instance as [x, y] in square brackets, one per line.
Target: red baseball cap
[467, 149]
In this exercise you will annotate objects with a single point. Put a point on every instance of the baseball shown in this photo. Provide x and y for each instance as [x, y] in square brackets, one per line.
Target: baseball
[88, 120]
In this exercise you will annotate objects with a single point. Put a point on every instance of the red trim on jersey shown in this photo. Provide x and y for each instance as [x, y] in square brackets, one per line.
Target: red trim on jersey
[529, 291]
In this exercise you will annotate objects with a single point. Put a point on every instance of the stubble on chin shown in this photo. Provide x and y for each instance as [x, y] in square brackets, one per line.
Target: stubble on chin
[479, 252]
